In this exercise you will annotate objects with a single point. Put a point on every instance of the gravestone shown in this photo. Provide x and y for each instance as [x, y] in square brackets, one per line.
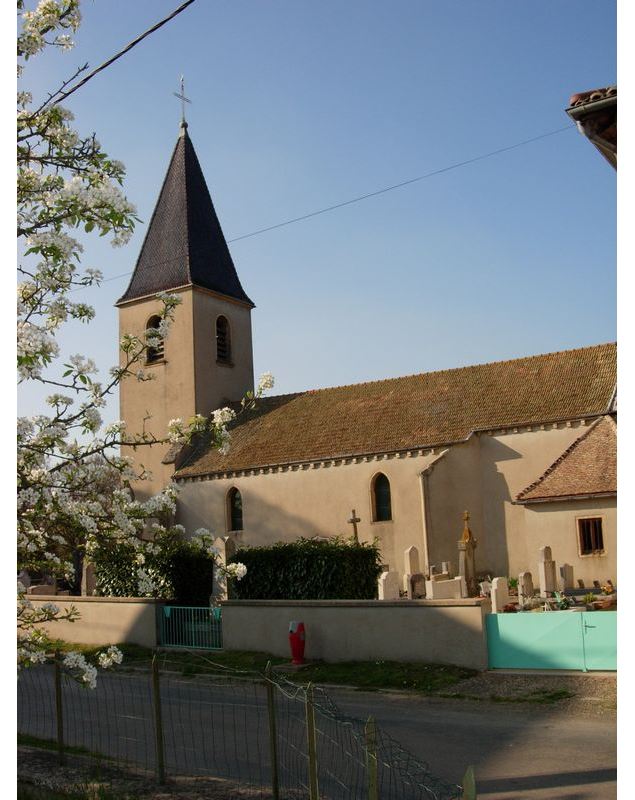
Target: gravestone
[597, 585]
[42, 589]
[412, 568]
[411, 558]
[452, 589]
[388, 586]
[499, 594]
[580, 583]
[89, 580]
[418, 584]
[546, 572]
[446, 566]
[225, 548]
[525, 587]
[485, 588]
[566, 576]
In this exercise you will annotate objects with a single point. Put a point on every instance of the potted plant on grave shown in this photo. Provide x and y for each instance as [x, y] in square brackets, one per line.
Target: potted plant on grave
[589, 600]
[512, 585]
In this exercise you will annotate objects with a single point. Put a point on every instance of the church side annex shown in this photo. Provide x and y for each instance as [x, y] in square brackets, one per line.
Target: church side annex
[409, 454]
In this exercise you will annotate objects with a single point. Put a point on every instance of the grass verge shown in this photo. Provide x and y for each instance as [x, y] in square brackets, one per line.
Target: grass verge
[542, 696]
[363, 675]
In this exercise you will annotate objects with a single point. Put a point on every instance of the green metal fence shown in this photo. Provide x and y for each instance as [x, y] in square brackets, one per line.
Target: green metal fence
[553, 640]
[191, 627]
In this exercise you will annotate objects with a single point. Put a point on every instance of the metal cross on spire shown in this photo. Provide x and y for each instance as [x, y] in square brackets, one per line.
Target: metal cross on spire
[183, 99]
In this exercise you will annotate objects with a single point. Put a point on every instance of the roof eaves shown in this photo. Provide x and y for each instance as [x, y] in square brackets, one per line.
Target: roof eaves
[563, 498]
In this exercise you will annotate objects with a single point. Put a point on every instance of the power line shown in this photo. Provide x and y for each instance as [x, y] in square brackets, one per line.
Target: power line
[61, 95]
[399, 185]
[391, 188]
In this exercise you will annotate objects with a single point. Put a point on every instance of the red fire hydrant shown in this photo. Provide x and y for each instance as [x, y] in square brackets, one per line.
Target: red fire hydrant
[296, 640]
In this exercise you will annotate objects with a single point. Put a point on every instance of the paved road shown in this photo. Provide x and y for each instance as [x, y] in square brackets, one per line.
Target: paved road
[518, 752]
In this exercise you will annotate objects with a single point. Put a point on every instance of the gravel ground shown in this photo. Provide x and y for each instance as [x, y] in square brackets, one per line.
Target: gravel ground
[594, 695]
[38, 769]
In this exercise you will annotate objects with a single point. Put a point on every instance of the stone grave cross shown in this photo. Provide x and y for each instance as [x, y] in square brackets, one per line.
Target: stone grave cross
[353, 521]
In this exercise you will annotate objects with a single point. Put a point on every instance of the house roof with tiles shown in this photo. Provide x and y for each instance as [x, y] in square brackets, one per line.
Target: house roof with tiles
[595, 114]
[587, 468]
[184, 244]
[413, 412]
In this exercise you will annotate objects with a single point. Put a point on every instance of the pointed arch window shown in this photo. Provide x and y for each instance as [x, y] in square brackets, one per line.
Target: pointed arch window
[380, 490]
[234, 510]
[223, 341]
[155, 353]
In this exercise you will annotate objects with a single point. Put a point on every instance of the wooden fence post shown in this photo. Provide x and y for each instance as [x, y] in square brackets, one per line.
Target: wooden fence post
[310, 735]
[273, 741]
[370, 732]
[469, 785]
[59, 711]
[158, 724]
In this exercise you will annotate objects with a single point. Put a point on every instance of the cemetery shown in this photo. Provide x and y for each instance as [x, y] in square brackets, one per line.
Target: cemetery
[355, 610]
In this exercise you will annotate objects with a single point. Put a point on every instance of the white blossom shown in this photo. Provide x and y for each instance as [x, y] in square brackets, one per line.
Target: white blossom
[237, 571]
[112, 656]
[265, 382]
[222, 416]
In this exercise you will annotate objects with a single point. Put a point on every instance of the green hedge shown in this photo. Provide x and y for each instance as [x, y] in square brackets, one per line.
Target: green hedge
[307, 569]
[182, 571]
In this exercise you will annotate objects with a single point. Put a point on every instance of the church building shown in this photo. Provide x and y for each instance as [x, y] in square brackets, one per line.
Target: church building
[526, 446]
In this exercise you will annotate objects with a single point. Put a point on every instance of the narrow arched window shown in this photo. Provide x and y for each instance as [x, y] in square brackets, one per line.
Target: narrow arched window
[382, 510]
[234, 510]
[155, 352]
[223, 341]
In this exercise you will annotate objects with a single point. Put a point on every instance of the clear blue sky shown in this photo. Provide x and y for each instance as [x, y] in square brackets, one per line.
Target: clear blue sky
[299, 105]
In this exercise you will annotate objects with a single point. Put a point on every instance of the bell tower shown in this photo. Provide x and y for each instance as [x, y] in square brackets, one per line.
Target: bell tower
[206, 360]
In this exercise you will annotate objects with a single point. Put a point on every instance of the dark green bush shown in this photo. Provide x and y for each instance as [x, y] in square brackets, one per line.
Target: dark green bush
[182, 571]
[307, 569]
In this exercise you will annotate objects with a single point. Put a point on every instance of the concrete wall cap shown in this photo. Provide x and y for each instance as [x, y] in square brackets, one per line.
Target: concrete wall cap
[469, 601]
[68, 598]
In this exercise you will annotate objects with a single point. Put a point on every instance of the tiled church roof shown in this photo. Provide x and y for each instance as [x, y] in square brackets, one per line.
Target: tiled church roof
[587, 467]
[417, 411]
[184, 244]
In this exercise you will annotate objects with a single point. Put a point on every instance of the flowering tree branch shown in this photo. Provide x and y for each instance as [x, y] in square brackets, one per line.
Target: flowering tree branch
[74, 492]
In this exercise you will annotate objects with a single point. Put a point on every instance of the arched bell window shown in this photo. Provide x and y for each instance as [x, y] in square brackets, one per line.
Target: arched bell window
[223, 341]
[156, 352]
[234, 510]
[380, 490]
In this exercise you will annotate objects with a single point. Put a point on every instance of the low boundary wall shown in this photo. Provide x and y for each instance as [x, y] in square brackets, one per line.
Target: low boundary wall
[104, 620]
[436, 631]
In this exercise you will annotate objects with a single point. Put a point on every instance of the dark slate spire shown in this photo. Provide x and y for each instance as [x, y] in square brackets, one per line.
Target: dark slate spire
[184, 244]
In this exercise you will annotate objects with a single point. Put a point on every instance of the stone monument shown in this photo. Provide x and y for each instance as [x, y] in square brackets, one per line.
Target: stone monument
[546, 572]
[467, 544]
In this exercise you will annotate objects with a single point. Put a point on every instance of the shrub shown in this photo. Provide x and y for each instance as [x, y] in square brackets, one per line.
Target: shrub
[182, 571]
[308, 569]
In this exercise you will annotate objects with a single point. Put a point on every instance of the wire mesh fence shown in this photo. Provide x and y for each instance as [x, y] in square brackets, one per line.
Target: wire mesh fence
[262, 732]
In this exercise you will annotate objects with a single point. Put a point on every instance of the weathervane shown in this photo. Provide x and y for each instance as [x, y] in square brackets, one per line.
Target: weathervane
[183, 100]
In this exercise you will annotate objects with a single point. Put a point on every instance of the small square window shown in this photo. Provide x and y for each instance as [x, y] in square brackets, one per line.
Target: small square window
[590, 536]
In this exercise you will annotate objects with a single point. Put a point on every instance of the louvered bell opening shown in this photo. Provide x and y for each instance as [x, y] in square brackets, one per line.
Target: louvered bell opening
[155, 353]
[223, 344]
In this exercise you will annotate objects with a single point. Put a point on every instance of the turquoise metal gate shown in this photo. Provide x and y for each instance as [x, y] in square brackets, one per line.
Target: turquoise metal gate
[553, 640]
[190, 627]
